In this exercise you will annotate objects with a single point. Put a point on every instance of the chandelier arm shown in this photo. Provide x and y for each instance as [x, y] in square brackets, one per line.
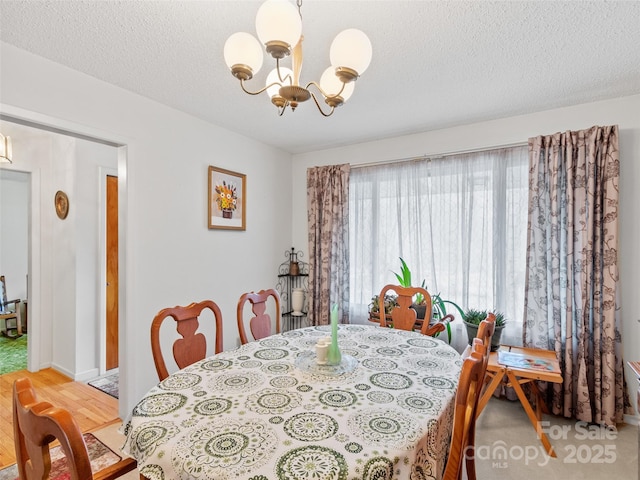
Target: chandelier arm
[320, 107]
[282, 109]
[286, 77]
[259, 91]
[325, 94]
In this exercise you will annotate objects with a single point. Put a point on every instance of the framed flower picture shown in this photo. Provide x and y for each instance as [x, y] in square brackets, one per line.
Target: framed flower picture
[227, 199]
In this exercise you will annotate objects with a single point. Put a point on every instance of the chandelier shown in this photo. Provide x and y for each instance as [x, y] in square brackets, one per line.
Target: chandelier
[5, 149]
[279, 28]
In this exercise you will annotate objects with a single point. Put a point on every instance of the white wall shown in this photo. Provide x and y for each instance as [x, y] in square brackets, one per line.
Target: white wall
[62, 253]
[92, 160]
[625, 112]
[168, 257]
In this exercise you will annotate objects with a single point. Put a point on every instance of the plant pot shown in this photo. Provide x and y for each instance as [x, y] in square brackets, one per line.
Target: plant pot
[227, 213]
[421, 310]
[472, 332]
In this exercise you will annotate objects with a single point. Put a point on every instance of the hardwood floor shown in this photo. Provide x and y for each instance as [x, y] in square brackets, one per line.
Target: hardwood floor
[90, 407]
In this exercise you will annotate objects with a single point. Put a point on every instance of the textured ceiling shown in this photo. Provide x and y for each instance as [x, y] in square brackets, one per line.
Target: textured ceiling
[435, 64]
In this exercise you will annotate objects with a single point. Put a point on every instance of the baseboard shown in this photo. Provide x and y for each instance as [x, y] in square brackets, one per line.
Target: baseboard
[77, 377]
[87, 375]
[631, 420]
[62, 370]
[43, 366]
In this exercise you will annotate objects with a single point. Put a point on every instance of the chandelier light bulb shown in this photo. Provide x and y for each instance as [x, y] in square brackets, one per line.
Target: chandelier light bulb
[278, 21]
[352, 49]
[331, 84]
[242, 48]
[274, 78]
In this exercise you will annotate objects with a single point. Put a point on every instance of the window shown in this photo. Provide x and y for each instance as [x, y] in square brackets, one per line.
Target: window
[459, 222]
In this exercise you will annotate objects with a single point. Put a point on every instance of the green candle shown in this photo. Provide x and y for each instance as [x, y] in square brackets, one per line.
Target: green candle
[334, 357]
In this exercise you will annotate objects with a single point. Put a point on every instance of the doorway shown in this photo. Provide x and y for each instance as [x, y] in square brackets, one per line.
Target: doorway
[14, 257]
[73, 239]
[39, 280]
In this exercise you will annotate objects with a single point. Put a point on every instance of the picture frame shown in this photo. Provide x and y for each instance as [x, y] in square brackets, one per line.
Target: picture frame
[226, 199]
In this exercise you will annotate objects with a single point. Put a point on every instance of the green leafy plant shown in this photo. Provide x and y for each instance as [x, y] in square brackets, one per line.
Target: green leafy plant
[404, 277]
[389, 303]
[439, 311]
[439, 305]
[472, 319]
[475, 316]
[404, 280]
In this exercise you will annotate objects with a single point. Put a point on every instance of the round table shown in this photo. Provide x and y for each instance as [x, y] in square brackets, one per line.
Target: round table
[260, 413]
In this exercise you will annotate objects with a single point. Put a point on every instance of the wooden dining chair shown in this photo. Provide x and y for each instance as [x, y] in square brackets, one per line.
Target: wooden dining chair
[36, 424]
[486, 329]
[464, 416]
[404, 317]
[192, 347]
[483, 348]
[260, 322]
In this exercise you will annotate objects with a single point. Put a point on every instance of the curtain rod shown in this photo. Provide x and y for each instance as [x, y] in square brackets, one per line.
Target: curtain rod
[434, 156]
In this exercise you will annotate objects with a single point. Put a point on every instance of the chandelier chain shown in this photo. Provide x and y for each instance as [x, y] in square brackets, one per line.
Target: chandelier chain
[299, 4]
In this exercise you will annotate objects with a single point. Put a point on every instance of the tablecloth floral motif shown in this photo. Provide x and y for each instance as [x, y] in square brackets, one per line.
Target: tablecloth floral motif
[252, 414]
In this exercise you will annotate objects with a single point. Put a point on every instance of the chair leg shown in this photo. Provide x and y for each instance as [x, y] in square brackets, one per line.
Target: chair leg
[470, 454]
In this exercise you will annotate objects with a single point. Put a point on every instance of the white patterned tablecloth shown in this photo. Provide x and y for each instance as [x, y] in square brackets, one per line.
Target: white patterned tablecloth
[252, 414]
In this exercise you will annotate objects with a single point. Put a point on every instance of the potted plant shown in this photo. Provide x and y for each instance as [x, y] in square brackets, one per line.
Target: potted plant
[439, 305]
[439, 311]
[472, 319]
[404, 280]
[374, 306]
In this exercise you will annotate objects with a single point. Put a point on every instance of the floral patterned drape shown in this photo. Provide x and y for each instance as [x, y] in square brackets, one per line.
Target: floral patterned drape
[572, 270]
[328, 222]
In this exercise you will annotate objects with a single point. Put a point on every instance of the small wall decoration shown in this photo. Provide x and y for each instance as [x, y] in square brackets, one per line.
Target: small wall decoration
[62, 204]
[227, 205]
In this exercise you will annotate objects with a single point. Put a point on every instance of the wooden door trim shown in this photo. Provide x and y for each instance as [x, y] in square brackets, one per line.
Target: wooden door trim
[102, 275]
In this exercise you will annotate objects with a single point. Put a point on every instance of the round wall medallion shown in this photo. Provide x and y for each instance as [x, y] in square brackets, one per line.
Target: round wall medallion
[62, 204]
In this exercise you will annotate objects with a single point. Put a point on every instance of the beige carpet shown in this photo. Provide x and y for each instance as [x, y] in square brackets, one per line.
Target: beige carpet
[508, 448]
[583, 452]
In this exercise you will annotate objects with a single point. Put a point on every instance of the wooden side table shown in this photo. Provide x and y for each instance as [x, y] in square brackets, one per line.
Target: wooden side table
[530, 365]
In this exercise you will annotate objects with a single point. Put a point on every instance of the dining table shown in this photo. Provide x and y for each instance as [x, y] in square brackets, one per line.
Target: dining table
[267, 410]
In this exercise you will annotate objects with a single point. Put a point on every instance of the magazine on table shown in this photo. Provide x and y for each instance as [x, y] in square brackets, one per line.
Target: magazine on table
[524, 361]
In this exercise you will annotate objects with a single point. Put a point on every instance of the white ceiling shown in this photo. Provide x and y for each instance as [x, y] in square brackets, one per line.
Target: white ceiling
[435, 64]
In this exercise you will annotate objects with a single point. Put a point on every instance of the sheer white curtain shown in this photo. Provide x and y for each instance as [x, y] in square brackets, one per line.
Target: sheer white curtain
[460, 223]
